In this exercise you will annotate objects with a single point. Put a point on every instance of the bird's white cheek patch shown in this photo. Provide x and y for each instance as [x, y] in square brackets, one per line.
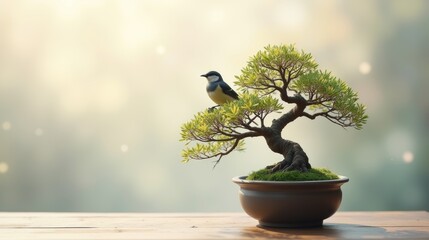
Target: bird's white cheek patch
[212, 78]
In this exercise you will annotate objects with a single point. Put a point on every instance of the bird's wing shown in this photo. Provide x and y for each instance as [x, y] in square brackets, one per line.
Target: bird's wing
[228, 90]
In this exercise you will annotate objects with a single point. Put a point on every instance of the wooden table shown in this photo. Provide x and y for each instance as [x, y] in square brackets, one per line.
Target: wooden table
[343, 225]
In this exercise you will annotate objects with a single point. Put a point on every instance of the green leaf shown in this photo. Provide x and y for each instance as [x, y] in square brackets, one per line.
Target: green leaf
[273, 67]
[325, 92]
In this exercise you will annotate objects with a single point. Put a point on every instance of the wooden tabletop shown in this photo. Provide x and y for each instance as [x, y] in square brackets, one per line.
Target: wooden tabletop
[343, 225]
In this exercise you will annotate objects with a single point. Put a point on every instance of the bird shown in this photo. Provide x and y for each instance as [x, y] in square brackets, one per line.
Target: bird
[218, 90]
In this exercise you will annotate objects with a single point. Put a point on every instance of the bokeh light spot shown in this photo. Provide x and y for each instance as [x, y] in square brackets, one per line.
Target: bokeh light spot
[124, 148]
[408, 157]
[4, 167]
[364, 68]
[38, 132]
[160, 50]
[6, 125]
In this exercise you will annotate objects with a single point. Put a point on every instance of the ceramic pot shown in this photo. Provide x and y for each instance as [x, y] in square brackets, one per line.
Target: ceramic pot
[290, 204]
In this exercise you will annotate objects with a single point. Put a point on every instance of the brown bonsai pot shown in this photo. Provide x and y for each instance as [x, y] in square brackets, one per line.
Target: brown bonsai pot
[290, 204]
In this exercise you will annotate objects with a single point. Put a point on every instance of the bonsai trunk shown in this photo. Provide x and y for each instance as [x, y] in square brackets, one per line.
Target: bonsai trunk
[294, 156]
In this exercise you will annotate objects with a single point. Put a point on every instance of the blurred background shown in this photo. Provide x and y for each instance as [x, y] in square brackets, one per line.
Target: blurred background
[93, 94]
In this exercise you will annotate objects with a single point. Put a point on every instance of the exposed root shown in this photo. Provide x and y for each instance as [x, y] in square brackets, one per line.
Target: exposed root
[295, 159]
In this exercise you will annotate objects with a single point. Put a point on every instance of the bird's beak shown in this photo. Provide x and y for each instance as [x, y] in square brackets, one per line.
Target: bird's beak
[203, 75]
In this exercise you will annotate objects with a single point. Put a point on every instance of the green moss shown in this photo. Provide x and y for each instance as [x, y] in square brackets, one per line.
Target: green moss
[312, 175]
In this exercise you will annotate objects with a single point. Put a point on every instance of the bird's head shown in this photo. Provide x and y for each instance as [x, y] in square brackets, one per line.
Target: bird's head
[212, 76]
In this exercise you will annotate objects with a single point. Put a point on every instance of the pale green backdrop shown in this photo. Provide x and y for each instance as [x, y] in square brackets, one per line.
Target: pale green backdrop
[93, 93]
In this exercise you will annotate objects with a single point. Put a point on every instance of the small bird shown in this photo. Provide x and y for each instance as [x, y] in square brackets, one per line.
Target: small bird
[218, 90]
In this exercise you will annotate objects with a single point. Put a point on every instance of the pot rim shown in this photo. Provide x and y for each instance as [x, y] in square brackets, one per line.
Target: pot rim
[242, 180]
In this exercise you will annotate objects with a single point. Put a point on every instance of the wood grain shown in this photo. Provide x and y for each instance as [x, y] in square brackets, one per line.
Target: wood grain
[343, 225]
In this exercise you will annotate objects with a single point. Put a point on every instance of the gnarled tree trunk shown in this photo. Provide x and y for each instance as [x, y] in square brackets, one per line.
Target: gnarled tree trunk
[294, 156]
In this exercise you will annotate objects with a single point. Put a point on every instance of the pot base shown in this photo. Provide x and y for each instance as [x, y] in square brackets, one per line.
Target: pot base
[315, 224]
[289, 204]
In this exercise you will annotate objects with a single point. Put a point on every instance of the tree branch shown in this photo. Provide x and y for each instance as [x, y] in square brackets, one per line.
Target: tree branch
[295, 72]
[225, 153]
[237, 141]
[313, 116]
[338, 119]
[294, 113]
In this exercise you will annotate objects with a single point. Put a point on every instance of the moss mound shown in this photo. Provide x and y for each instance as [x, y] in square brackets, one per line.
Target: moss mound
[312, 175]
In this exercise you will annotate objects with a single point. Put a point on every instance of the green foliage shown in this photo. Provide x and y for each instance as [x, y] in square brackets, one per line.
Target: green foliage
[223, 128]
[209, 150]
[330, 97]
[274, 67]
[312, 175]
[281, 69]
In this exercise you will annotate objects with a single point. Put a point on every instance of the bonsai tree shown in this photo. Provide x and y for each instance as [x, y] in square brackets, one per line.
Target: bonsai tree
[275, 77]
